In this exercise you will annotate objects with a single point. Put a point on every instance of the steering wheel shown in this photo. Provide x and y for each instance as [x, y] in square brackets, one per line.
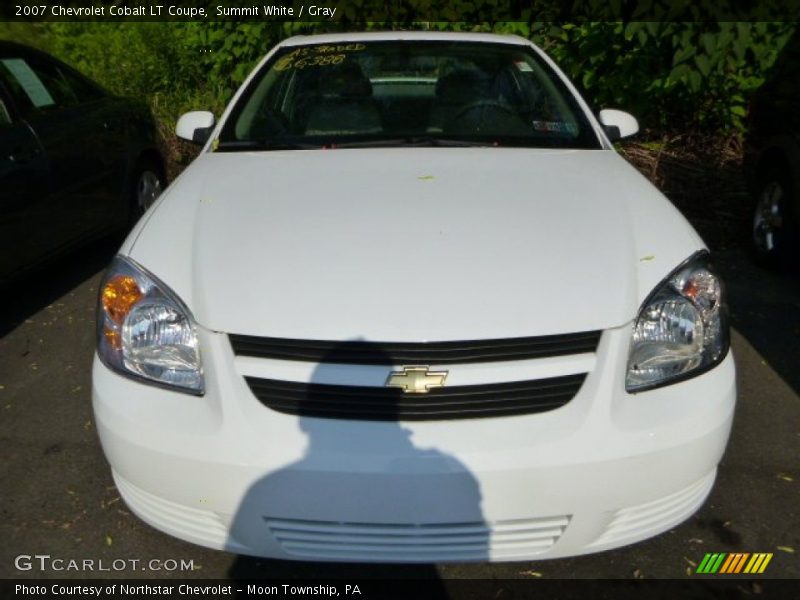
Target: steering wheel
[269, 123]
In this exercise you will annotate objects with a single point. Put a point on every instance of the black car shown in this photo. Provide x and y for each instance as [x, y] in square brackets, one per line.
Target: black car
[772, 159]
[76, 162]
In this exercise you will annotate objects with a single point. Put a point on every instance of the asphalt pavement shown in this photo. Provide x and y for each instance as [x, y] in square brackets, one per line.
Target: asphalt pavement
[57, 497]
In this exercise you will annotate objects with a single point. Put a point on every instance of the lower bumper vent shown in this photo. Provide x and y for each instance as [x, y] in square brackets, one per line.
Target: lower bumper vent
[417, 543]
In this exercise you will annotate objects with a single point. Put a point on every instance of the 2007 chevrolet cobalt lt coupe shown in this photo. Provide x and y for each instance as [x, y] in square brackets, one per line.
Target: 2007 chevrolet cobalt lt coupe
[410, 305]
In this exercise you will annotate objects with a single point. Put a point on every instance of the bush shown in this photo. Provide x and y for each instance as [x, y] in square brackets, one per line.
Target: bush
[676, 76]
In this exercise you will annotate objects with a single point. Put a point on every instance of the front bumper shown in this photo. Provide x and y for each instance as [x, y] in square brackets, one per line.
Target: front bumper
[605, 470]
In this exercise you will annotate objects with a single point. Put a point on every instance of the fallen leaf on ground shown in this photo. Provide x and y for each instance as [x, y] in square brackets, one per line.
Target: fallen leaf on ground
[784, 477]
[788, 549]
[112, 501]
[531, 573]
[109, 541]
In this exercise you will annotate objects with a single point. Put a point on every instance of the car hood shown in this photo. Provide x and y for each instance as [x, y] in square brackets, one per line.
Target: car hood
[416, 244]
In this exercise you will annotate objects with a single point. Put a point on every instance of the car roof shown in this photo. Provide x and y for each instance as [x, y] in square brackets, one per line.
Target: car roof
[25, 50]
[9, 45]
[374, 36]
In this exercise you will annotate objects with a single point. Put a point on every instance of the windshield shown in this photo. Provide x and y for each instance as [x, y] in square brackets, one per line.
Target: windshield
[406, 93]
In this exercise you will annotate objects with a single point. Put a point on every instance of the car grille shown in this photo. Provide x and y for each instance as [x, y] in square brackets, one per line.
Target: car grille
[431, 353]
[391, 404]
[354, 394]
[390, 542]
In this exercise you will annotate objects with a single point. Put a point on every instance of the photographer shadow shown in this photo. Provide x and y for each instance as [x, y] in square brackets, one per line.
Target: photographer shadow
[363, 496]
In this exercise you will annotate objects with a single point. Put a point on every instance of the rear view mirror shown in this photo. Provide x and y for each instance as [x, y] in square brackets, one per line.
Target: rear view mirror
[618, 124]
[195, 126]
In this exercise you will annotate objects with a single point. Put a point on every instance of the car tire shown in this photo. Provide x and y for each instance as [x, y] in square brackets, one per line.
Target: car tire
[773, 229]
[147, 183]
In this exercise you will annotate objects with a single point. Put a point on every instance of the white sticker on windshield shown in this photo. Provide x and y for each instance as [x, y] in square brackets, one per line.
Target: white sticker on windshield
[556, 127]
[5, 117]
[29, 81]
[523, 66]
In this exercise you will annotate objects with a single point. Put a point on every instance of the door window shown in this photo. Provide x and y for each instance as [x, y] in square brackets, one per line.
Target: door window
[41, 86]
[35, 90]
[5, 115]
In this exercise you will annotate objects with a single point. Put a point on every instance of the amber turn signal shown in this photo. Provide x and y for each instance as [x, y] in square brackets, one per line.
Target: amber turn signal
[119, 295]
[113, 338]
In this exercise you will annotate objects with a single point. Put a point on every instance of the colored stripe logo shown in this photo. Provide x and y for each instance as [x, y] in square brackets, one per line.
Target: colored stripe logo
[737, 562]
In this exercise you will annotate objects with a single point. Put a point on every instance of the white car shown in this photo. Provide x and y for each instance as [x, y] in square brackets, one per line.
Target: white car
[409, 305]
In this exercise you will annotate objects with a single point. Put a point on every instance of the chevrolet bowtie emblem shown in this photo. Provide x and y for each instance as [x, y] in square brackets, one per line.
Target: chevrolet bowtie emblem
[416, 380]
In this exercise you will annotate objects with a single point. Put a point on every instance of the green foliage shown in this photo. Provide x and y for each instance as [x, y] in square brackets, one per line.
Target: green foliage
[695, 75]
[672, 75]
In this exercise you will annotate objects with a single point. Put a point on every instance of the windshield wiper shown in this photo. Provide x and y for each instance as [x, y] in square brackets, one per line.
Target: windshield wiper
[407, 141]
[234, 146]
[420, 141]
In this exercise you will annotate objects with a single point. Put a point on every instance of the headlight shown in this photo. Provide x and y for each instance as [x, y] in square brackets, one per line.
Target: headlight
[145, 331]
[681, 330]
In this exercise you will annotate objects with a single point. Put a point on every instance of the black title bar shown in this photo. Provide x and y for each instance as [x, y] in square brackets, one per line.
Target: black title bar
[403, 11]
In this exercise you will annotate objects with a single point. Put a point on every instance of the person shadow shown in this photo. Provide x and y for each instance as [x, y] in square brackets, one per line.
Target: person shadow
[364, 501]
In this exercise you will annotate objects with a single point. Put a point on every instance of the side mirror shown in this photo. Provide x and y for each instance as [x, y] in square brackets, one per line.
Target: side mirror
[618, 124]
[195, 126]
